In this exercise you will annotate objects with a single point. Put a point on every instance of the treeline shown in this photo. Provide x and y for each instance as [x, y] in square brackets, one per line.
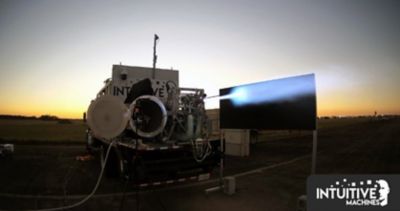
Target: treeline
[5, 116]
[42, 117]
[45, 117]
[385, 116]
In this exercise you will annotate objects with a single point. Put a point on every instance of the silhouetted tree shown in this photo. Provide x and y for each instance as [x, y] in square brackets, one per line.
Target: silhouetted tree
[47, 117]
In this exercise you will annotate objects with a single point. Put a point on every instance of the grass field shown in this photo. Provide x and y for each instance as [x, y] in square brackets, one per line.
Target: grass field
[38, 130]
[345, 146]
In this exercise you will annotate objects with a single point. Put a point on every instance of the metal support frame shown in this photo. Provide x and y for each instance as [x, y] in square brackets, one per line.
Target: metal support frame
[222, 158]
[221, 166]
[314, 152]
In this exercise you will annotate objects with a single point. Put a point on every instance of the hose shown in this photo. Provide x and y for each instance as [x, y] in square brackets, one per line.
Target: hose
[90, 194]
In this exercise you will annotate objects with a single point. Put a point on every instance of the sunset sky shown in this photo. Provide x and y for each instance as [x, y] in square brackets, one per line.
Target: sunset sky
[55, 55]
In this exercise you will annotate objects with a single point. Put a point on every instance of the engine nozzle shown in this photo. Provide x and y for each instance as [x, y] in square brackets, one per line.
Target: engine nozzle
[149, 116]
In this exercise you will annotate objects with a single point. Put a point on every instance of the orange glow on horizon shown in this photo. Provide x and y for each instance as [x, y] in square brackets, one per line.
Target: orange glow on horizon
[70, 98]
[69, 114]
[323, 109]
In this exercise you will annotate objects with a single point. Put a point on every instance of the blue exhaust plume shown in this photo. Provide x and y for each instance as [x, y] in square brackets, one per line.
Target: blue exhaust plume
[279, 90]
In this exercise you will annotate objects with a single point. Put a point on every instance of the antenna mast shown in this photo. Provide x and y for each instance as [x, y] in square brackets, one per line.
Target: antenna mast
[153, 75]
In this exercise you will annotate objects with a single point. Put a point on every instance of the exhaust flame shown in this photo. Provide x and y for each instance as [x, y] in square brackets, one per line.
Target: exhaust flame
[271, 91]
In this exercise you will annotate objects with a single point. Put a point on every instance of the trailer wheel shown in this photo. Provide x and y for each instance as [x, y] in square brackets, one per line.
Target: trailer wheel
[92, 144]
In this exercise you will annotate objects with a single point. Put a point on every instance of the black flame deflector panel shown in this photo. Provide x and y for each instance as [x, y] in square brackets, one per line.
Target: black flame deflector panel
[281, 104]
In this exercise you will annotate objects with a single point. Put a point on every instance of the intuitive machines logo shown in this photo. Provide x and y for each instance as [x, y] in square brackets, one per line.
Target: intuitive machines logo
[357, 193]
[353, 192]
